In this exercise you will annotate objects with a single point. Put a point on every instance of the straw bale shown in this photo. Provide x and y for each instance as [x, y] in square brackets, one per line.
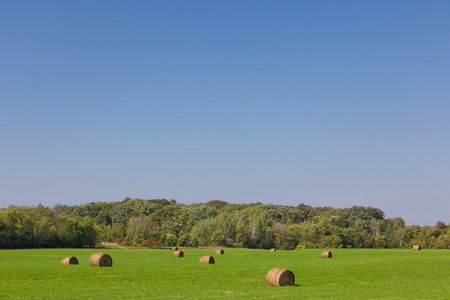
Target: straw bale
[416, 247]
[178, 254]
[326, 254]
[219, 251]
[207, 260]
[273, 249]
[71, 260]
[100, 260]
[280, 277]
[174, 248]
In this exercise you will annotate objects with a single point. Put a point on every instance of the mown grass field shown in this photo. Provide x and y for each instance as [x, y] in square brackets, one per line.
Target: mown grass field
[237, 274]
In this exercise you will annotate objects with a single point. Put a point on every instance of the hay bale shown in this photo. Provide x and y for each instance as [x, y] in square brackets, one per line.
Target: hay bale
[71, 260]
[219, 251]
[207, 260]
[178, 254]
[280, 277]
[416, 247]
[100, 260]
[326, 254]
[174, 248]
[273, 249]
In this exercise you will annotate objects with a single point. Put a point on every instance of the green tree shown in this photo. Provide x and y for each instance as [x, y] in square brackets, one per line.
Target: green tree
[171, 240]
[77, 232]
[139, 227]
[282, 237]
[183, 241]
[257, 230]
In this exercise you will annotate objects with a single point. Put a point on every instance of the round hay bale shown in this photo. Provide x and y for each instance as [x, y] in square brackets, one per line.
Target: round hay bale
[174, 248]
[326, 254]
[178, 254]
[100, 260]
[280, 277]
[71, 260]
[416, 247]
[219, 251]
[207, 260]
[273, 249]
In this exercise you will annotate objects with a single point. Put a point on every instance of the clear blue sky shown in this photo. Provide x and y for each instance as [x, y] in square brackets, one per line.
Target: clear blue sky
[327, 103]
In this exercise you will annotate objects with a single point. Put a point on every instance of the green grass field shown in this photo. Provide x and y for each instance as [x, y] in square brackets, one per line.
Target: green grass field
[237, 274]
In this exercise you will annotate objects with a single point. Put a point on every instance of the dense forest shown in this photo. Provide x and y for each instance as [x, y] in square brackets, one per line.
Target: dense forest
[163, 223]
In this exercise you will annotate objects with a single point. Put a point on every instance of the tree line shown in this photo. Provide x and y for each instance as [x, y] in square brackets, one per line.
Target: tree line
[164, 223]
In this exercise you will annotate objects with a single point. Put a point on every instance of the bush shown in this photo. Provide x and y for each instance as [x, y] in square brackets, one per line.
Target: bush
[183, 241]
[154, 242]
[171, 240]
[194, 242]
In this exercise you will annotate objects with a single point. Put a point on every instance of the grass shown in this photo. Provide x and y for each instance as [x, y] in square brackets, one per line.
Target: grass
[238, 274]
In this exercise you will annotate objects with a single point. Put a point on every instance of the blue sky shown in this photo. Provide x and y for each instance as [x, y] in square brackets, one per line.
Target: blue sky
[327, 103]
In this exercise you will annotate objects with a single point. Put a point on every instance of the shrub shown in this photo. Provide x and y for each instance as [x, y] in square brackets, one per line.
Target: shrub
[183, 241]
[171, 240]
[194, 242]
